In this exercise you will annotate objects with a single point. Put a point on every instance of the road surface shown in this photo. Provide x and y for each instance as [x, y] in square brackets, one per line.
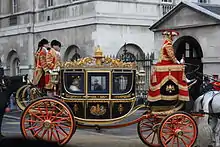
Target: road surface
[123, 137]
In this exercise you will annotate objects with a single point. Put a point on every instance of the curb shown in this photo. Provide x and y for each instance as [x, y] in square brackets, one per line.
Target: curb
[11, 117]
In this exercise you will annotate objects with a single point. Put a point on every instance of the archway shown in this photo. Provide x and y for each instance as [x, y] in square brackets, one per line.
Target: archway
[130, 52]
[189, 47]
[72, 53]
[13, 63]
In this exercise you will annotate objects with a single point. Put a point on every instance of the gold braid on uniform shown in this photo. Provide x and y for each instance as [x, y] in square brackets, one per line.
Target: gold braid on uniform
[170, 52]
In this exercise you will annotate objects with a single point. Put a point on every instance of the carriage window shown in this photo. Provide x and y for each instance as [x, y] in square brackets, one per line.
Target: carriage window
[98, 83]
[74, 82]
[122, 82]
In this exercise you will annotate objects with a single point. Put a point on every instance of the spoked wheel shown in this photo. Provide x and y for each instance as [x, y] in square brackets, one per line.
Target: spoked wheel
[177, 130]
[48, 119]
[28, 94]
[148, 130]
[18, 97]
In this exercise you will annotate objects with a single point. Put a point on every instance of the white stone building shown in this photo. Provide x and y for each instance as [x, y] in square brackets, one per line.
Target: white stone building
[80, 25]
[199, 28]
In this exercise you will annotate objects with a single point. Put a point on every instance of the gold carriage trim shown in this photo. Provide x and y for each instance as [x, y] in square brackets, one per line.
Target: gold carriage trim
[98, 61]
[165, 79]
[166, 68]
[168, 98]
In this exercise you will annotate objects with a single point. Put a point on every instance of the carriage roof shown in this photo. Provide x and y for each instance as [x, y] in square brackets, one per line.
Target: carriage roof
[97, 61]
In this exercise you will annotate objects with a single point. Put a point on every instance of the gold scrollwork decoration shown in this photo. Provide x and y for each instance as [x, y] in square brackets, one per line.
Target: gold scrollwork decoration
[98, 110]
[75, 108]
[92, 62]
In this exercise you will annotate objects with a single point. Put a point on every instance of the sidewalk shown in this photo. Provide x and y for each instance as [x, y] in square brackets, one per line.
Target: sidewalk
[16, 114]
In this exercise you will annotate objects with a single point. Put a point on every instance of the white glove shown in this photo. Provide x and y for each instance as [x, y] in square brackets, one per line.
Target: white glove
[178, 62]
[50, 71]
[182, 61]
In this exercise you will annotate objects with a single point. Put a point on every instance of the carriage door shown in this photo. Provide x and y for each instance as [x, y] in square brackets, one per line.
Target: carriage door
[189, 47]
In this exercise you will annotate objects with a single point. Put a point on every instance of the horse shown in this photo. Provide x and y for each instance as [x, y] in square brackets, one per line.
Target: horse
[8, 86]
[208, 103]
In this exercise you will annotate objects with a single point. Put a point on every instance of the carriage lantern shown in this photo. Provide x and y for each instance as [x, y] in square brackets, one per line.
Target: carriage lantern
[141, 80]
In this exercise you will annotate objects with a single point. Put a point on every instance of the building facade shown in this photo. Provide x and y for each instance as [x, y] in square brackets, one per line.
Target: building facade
[80, 25]
[198, 25]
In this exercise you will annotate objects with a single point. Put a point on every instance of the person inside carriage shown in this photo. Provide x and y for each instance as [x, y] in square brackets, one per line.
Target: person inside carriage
[168, 81]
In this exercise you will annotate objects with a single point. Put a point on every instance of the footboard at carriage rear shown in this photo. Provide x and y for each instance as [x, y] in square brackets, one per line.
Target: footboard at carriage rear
[98, 92]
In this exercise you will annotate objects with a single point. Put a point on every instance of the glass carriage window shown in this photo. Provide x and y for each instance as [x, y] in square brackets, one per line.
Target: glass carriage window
[122, 82]
[74, 82]
[98, 83]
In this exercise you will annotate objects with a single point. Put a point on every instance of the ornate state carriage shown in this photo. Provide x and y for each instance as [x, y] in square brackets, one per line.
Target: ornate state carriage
[97, 91]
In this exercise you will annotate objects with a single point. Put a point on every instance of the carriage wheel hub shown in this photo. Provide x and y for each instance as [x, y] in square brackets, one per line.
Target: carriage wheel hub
[179, 132]
[155, 127]
[47, 124]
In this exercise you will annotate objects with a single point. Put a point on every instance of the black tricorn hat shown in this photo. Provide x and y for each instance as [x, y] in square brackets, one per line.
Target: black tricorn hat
[42, 42]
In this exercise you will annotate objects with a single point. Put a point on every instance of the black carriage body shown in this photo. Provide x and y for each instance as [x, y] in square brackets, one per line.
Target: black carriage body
[104, 94]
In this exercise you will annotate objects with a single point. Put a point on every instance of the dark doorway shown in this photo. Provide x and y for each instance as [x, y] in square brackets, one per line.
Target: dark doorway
[189, 47]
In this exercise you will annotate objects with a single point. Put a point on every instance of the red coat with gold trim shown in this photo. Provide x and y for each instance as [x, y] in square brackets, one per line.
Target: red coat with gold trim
[168, 69]
[40, 68]
[51, 59]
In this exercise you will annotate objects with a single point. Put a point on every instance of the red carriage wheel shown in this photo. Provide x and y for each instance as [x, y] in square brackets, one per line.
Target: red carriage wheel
[178, 129]
[48, 119]
[148, 130]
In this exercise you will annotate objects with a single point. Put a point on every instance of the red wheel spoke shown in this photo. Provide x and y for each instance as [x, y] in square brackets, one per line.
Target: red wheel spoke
[43, 134]
[63, 130]
[36, 116]
[48, 134]
[32, 128]
[173, 142]
[51, 134]
[32, 121]
[40, 112]
[53, 110]
[61, 119]
[55, 137]
[63, 126]
[183, 142]
[178, 142]
[63, 134]
[145, 124]
[38, 131]
[153, 138]
[57, 133]
[57, 115]
[184, 127]
[46, 109]
[187, 137]
[149, 135]
[168, 128]
[146, 130]
[188, 131]
[169, 139]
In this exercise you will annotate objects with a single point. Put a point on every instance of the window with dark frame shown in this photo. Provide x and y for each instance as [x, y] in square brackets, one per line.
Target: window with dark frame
[203, 1]
[50, 3]
[14, 6]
